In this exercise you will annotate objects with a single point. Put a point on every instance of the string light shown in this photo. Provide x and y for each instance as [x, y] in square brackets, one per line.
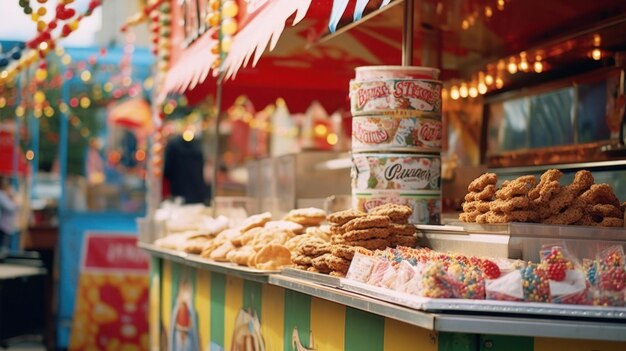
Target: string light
[463, 91]
[473, 91]
[499, 83]
[332, 139]
[538, 66]
[30, 155]
[454, 92]
[512, 67]
[85, 76]
[488, 79]
[596, 54]
[488, 11]
[523, 65]
[482, 88]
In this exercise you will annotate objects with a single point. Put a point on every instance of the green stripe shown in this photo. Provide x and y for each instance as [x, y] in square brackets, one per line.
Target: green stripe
[252, 297]
[297, 315]
[175, 279]
[218, 295]
[364, 331]
[506, 343]
[458, 342]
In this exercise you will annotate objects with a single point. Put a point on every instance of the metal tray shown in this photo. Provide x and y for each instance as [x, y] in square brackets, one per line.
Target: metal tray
[229, 265]
[544, 230]
[485, 306]
[323, 279]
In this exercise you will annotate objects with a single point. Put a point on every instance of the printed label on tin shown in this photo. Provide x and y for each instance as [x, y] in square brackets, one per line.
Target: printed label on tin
[388, 133]
[395, 94]
[426, 210]
[396, 171]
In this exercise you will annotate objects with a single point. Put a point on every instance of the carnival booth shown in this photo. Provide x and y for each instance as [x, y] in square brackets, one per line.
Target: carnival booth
[480, 205]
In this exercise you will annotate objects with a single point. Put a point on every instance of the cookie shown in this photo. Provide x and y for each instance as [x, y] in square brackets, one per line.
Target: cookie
[347, 252]
[604, 210]
[596, 221]
[500, 217]
[285, 225]
[338, 264]
[336, 230]
[370, 244]
[371, 221]
[469, 217]
[322, 232]
[570, 215]
[516, 187]
[300, 267]
[480, 206]
[397, 213]
[219, 254]
[402, 229]
[364, 234]
[546, 193]
[301, 260]
[195, 245]
[406, 240]
[270, 236]
[480, 183]
[321, 264]
[487, 194]
[246, 237]
[313, 248]
[510, 205]
[343, 217]
[549, 176]
[257, 220]
[306, 216]
[272, 257]
[241, 256]
[313, 269]
[600, 194]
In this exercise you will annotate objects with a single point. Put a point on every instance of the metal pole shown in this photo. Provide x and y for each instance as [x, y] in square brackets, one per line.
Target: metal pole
[216, 141]
[407, 34]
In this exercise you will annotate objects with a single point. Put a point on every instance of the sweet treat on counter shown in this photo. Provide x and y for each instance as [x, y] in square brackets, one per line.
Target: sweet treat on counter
[481, 191]
[294, 227]
[257, 220]
[425, 205]
[272, 257]
[384, 133]
[306, 216]
[522, 200]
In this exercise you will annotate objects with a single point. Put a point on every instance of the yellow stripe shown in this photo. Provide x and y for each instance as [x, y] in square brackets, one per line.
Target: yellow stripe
[273, 317]
[398, 335]
[166, 294]
[545, 344]
[232, 305]
[203, 305]
[155, 304]
[328, 325]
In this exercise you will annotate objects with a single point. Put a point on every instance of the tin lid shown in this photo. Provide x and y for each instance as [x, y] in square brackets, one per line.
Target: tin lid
[372, 72]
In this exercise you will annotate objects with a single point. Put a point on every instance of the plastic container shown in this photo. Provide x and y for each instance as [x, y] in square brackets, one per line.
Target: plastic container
[403, 134]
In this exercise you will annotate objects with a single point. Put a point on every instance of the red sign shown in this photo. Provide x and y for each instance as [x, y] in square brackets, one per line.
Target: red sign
[114, 252]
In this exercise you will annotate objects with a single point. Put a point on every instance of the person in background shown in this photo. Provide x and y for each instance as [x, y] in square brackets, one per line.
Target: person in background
[8, 212]
[183, 169]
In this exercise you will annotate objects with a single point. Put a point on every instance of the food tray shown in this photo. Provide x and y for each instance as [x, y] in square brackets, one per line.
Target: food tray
[485, 306]
[545, 230]
[323, 279]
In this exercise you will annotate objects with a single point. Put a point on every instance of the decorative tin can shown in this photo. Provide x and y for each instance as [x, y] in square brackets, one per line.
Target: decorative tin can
[406, 172]
[384, 133]
[383, 72]
[398, 97]
[426, 207]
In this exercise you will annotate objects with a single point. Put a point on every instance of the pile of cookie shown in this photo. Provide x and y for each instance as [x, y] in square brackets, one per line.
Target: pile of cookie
[262, 243]
[524, 200]
[356, 231]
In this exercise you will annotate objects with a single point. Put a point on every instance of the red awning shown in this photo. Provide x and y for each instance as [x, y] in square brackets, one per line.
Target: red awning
[8, 154]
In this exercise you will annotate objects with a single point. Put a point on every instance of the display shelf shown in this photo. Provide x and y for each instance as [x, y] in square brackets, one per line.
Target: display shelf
[319, 278]
[407, 315]
[581, 312]
[198, 262]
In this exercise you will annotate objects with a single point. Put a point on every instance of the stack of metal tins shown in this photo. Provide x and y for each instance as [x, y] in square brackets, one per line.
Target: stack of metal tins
[396, 139]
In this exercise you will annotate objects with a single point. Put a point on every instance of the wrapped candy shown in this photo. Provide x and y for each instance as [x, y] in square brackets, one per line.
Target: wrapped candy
[610, 279]
[567, 279]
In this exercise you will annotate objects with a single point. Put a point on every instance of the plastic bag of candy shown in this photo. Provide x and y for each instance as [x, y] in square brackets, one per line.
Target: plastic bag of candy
[567, 280]
[361, 267]
[465, 281]
[435, 282]
[610, 278]
[530, 284]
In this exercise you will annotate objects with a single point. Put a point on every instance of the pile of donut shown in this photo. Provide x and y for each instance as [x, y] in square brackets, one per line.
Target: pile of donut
[524, 200]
